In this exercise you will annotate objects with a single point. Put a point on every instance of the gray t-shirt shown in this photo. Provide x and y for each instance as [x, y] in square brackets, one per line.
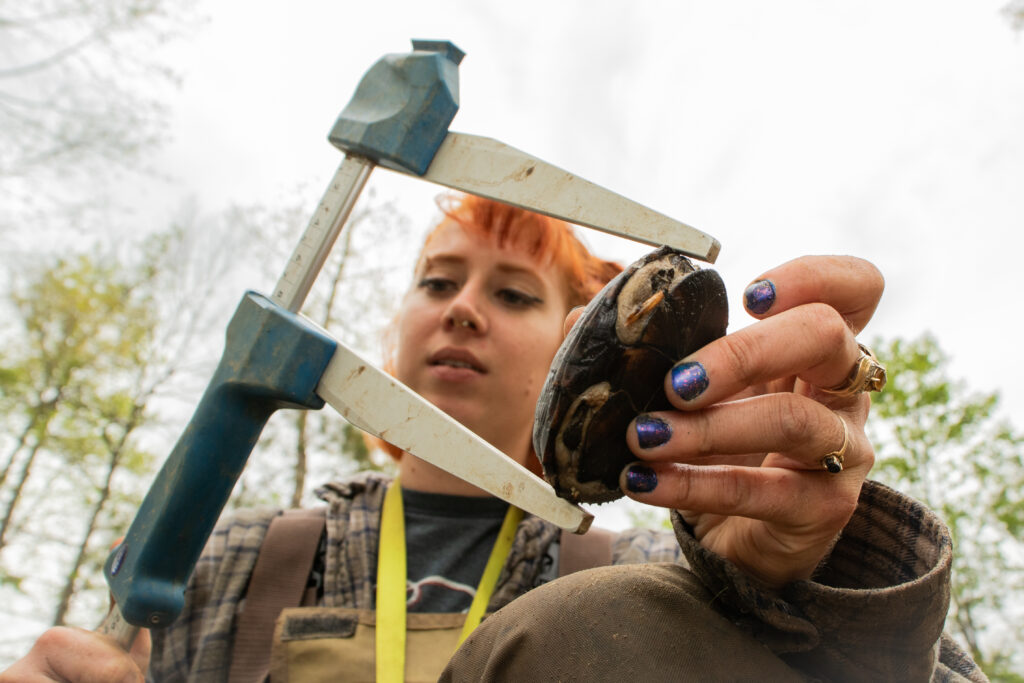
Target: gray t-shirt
[448, 540]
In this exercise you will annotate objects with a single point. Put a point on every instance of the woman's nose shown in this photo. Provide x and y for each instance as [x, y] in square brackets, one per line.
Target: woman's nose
[465, 313]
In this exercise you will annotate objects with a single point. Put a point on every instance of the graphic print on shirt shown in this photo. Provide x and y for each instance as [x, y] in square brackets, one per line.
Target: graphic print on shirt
[430, 587]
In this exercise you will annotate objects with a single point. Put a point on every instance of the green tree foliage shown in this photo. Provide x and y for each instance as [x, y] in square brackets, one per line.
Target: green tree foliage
[97, 350]
[1014, 13]
[940, 442]
[74, 401]
[73, 340]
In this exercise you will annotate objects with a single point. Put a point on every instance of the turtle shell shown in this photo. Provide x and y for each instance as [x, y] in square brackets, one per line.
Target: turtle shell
[611, 367]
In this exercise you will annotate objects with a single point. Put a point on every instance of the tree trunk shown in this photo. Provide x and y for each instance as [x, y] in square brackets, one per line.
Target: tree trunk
[116, 451]
[64, 601]
[43, 411]
[301, 422]
[17, 447]
[346, 247]
[26, 470]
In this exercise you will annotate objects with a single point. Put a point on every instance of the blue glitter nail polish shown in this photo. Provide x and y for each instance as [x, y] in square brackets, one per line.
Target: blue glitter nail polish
[759, 296]
[641, 479]
[689, 380]
[652, 431]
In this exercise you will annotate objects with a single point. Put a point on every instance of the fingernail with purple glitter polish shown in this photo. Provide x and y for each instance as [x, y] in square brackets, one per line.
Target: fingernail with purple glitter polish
[689, 380]
[652, 431]
[641, 479]
[759, 296]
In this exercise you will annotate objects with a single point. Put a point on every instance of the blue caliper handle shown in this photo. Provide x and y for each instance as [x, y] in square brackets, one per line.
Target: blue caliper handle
[398, 117]
[272, 359]
[401, 110]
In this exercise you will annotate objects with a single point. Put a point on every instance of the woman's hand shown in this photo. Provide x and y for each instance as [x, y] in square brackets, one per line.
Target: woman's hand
[742, 457]
[74, 654]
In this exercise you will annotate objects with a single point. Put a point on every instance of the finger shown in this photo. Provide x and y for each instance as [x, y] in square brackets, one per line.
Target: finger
[571, 319]
[761, 493]
[850, 285]
[748, 515]
[811, 342]
[141, 650]
[72, 654]
[800, 430]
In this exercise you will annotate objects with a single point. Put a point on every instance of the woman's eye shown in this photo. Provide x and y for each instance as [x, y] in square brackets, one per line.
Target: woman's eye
[514, 297]
[436, 285]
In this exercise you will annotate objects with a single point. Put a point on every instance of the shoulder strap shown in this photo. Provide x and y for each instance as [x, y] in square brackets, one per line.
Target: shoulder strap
[278, 581]
[584, 551]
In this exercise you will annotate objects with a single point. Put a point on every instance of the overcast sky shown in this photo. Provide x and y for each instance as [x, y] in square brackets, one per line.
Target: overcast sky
[892, 131]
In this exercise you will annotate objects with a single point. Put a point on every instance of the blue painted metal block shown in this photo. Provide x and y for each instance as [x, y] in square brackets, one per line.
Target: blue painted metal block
[272, 359]
[401, 110]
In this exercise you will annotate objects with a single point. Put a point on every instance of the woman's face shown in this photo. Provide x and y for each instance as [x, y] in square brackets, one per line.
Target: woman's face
[477, 332]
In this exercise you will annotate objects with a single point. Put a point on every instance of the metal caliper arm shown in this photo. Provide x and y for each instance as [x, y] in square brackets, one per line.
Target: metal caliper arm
[381, 405]
[492, 169]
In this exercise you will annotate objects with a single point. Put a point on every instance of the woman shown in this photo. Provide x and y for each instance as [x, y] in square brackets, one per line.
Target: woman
[740, 457]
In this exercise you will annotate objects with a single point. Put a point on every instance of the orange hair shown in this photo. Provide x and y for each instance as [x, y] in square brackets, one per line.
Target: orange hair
[549, 241]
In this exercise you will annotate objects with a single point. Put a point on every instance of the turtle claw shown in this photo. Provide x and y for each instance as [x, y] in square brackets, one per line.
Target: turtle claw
[646, 307]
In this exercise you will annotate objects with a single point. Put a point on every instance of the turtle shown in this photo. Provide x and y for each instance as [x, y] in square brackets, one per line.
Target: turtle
[612, 364]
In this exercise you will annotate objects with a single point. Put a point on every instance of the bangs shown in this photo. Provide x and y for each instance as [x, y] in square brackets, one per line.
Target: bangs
[548, 241]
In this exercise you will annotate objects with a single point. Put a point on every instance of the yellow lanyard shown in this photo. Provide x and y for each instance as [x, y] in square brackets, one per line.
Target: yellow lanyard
[391, 583]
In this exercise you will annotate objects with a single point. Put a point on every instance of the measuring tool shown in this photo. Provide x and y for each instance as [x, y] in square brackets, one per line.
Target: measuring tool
[274, 358]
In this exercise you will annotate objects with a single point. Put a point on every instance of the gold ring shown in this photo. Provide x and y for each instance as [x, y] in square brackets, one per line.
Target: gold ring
[867, 374]
[833, 462]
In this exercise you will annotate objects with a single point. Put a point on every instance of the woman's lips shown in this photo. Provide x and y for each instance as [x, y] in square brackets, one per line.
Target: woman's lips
[455, 364]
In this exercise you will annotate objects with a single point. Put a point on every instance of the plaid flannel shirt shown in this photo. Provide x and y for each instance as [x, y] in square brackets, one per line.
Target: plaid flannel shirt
[880, 597]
